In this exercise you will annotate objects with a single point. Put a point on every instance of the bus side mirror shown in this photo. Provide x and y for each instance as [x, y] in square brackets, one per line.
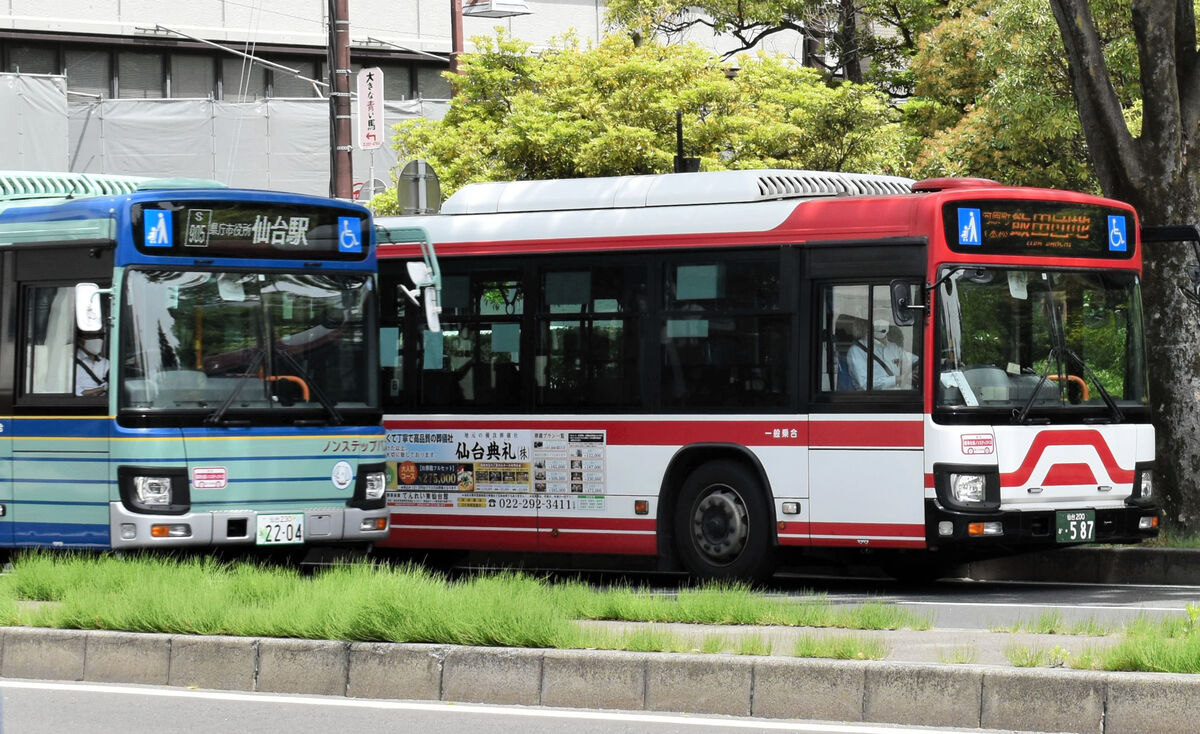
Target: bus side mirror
[903, 304]
[89, 318]
[422, 277]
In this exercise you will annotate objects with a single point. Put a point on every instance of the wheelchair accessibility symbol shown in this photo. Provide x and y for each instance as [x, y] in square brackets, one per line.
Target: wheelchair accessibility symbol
[349, 234]
[1117, 241]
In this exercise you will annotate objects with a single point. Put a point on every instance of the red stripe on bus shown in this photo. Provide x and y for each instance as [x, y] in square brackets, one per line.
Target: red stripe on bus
[614, 543]
[639, 433]
[867, 529]
[866, 543]
[599, 523]
[480, 539]
[1061, 475]
[819, 434]
[480, 521]
[866, 434]
[1079, 438]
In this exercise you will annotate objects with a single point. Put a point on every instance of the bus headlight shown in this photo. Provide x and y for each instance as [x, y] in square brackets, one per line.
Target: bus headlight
[370, 487]
[376, 482]
[152, 491]
[968, 488]
[155, 490]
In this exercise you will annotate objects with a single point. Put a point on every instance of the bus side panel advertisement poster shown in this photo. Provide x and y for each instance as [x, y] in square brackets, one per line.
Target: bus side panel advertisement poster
[497, 469]
[1038, 228]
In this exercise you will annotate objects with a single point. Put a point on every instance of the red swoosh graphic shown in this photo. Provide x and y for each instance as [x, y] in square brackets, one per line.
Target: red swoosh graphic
[1046, 439]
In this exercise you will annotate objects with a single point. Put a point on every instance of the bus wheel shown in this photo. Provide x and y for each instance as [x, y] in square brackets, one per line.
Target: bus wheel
[722, 524]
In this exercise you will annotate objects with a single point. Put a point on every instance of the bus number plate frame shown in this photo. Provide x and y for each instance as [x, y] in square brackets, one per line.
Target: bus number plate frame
[280, 529]
[1075, 526]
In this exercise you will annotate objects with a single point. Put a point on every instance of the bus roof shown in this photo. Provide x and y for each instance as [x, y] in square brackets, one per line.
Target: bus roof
[17, 185]
[671, 189]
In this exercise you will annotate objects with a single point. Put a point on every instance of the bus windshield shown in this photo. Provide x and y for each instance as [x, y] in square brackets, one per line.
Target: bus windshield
[1040, 345]
[230, 342]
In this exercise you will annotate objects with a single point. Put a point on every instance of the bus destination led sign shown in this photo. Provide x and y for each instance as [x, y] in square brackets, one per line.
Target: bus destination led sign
[1039, 228]
[249, 229]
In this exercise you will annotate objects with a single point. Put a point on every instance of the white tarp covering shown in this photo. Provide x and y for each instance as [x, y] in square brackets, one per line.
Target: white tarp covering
[33, 118]
[276, 144]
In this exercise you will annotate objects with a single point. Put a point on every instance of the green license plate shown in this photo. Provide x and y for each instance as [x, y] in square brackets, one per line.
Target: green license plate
[1075, 526]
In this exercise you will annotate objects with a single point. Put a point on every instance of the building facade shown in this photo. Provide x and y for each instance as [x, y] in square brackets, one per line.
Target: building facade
[231, 90]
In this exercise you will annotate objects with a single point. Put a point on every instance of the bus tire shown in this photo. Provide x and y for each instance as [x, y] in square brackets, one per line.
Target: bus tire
[721, 524]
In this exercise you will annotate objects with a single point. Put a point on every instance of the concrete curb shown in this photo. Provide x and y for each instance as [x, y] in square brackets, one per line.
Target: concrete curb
[967, 696]
[1095, 565]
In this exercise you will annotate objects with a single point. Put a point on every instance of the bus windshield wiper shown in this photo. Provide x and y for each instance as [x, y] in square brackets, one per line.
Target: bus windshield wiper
[335, 418]
[1022, 416]
[217, 417]
[1117, 415]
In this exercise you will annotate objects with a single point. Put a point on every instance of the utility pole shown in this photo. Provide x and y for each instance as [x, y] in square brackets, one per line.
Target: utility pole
[340, 136]
[456, 34]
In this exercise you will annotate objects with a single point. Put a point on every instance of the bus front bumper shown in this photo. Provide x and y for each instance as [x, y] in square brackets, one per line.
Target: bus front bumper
[1033, 529]
[241, 527]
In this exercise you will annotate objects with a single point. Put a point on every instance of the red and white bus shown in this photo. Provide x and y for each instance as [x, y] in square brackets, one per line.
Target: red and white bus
[713, 368]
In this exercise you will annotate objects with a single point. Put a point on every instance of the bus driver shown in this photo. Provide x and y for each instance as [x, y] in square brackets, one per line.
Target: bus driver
[893, 365]
[91, 367]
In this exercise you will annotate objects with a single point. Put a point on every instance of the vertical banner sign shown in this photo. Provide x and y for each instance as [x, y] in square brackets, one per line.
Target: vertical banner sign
[370, 108]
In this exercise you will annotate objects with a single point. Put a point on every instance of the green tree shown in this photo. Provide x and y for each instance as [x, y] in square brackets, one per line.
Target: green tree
[1153, 164]
[993, 96]
[863, 41]
[610, 110]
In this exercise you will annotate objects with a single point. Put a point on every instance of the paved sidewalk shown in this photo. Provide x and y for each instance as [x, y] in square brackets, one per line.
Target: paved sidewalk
[951, 646]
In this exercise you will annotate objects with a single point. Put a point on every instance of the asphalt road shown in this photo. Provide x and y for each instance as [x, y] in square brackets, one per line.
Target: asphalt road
[41, 707]
[990, 604]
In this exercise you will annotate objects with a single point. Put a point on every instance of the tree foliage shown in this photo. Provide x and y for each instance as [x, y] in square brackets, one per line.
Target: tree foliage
[863, 41]
[1153, 163]
[610, 110]
[994, 95]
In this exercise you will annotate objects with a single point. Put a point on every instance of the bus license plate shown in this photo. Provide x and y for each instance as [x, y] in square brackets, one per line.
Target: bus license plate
[280, 529]
[1076, 526]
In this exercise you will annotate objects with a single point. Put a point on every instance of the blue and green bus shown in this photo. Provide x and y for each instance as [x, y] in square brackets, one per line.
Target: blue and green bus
[184, 364]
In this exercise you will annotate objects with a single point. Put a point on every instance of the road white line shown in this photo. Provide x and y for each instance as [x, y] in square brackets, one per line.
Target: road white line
[1094, 607]
[450, 707]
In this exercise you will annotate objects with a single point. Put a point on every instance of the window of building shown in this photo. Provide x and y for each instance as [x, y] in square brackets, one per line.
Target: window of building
[286, 84]
[242, 80]
[32, 59]
[192, 75]
[397, 81]
[431, 84]
[89, 71]
[140, 75]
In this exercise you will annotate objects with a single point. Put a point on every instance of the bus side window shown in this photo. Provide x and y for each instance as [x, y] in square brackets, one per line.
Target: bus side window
[58, 359]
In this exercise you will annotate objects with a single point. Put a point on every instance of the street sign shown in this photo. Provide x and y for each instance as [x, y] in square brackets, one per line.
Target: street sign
[370, 108]
[417, 189]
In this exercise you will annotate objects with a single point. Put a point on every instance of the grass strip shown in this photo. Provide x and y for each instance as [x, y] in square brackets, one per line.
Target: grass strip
[366, 602]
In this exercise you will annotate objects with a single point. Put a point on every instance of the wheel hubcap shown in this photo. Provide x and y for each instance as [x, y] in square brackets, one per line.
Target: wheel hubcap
[719, 527]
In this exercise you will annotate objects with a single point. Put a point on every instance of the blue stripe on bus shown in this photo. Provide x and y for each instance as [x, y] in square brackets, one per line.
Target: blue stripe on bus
[76, 503]
[105, 503]
[306, 500]
[73, 534]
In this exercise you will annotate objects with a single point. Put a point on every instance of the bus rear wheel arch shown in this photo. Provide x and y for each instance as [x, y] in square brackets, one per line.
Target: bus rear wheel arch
[721, 523]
